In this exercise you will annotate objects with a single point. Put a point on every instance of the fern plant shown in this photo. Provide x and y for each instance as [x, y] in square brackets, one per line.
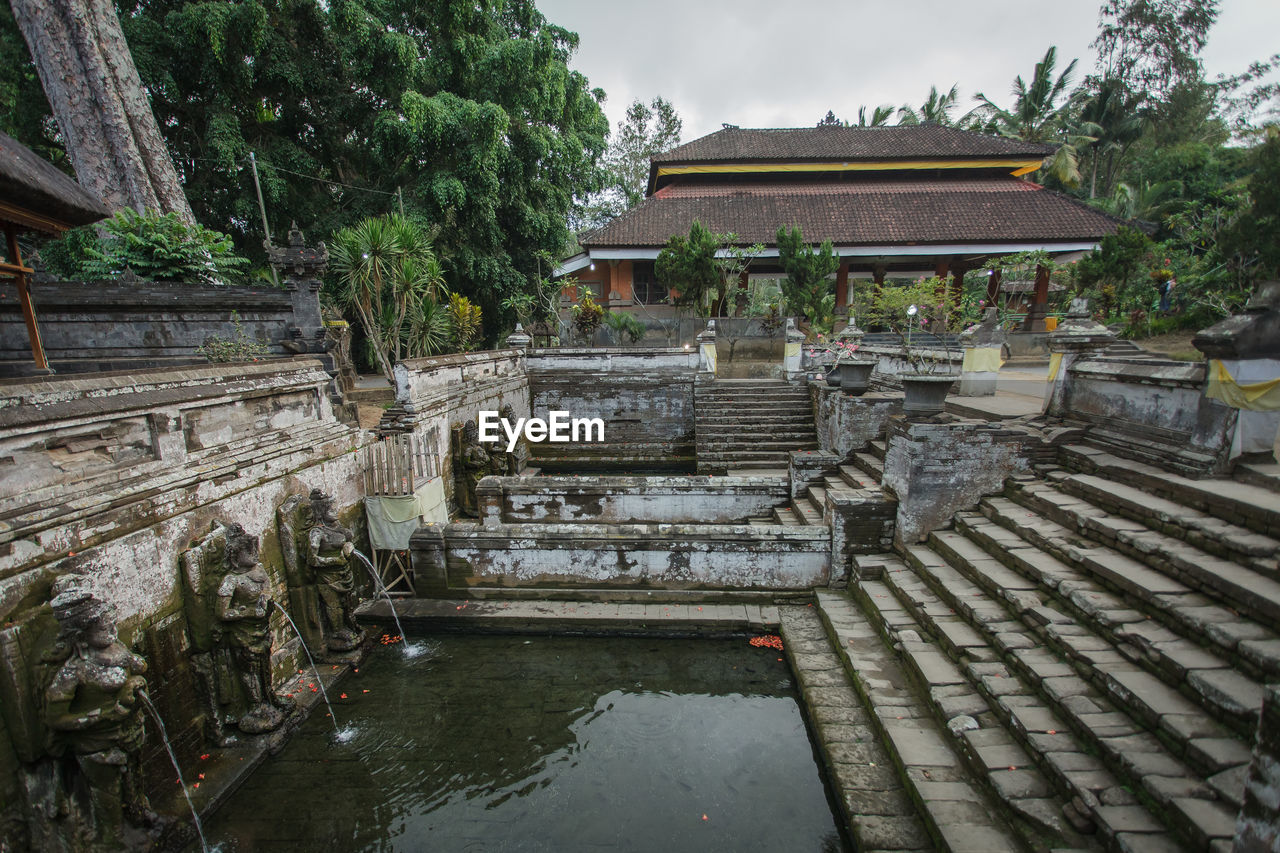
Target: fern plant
[625, 326]
[155, 247]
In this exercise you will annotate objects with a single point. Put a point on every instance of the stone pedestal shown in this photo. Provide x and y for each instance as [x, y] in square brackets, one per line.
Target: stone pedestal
[791, 354]
[519, 338]
[707, 349]
[937, 468]
[983, 355]
[1258, 824]
[1076, 336]
[1243, 353]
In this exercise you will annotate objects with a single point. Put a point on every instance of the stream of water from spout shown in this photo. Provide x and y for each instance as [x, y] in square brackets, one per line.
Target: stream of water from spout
[340, 735]
[164, 736]
[410, 650]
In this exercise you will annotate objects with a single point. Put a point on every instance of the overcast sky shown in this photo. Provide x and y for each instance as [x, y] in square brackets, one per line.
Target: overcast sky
[766, 63]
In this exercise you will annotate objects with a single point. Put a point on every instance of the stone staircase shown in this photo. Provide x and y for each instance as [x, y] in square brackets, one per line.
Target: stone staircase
[808, 508]
[1094, 642]
[746, 426]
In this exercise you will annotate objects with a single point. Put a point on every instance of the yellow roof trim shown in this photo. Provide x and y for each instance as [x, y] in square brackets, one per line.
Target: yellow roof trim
[1023, 167]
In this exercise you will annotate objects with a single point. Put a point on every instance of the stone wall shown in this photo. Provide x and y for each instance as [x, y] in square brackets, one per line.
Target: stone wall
[628, 500]
[935, 469]
[644, 397]
[624, 556]
[121, 325]
[1149, 408]
[892, 362]
[114, 476]
[433, 394]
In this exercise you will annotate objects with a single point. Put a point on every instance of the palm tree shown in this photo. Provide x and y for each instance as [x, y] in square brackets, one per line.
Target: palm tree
[879, 116]
[1040, 113]
[935, 110]
[1147, 201]
[387, 273]
[1113, 112]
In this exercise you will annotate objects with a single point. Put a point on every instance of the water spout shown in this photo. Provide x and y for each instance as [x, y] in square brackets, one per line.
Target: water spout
[341, 735]
[164, 736]
[410, 651]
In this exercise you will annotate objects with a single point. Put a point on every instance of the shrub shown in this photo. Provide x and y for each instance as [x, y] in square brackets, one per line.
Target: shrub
[625, 326]
[587, 317]
[239, 347]
[155, 247]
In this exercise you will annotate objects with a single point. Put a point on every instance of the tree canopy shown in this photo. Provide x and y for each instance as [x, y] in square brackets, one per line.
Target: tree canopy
[468, 112]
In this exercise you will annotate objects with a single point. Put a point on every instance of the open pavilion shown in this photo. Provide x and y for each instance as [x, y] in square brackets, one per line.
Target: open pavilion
[895, 202]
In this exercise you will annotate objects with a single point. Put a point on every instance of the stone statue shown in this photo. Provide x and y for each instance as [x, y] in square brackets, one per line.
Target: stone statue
[94, 709]
[517, 459]
[243, 611]
[472, 465]
[328, 552]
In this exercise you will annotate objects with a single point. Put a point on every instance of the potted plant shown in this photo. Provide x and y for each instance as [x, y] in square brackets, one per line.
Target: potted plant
[854, 370]
[922, 314]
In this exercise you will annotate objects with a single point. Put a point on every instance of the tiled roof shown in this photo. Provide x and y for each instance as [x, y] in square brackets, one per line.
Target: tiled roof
[847, 144]
[861, 213]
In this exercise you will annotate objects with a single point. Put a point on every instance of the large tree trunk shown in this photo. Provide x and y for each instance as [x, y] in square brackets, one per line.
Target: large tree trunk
[105, 118]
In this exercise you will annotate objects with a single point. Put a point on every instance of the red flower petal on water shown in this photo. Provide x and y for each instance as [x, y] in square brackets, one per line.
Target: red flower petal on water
[342, 696]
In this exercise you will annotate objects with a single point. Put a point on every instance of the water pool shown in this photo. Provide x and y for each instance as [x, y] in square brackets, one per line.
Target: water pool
[505, 743]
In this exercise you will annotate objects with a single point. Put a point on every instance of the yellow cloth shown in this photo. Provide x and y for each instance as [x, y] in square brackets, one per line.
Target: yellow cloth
[1255, 396]
[792, 350]
[1055, 362]
[709, 355]
[982, 360]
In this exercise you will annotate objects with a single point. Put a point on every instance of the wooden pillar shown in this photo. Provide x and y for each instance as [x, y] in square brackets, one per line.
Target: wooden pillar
[1039, 302]
[993, 287]
[606, 287]
[940, 270]
[842, 288]
[24, 297]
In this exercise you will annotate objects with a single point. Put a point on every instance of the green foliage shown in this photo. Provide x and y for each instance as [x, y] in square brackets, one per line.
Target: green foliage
[806, 287]
[155, 247]
[646, 130]
[464, 323]
[1117, 271]
[386, 271]
[239, 347]
[921, 312]
[469, 108]
[625, 325]
[587, 317]
[1257, 232]
[688, 266]
[430, 330]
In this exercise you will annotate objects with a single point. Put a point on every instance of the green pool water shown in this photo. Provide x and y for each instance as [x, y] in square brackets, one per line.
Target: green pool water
[513, 743]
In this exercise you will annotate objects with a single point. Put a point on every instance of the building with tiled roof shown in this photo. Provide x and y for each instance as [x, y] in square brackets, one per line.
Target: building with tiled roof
[894, 202]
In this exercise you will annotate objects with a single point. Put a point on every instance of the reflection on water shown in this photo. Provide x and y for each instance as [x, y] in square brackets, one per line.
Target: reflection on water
[548, 744]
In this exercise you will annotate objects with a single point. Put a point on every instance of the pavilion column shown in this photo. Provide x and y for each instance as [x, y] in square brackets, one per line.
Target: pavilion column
[842, 288]
[1039, 302]
[940, 270]
[19, 273]
[610, 272]
[993, 286]
[877, 278]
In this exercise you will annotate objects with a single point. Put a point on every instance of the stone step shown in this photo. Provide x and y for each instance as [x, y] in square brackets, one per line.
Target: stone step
[1254, 594]
[1252, 506]
[869, 464]
[1075, 688]
[952, 799]
[1222, 630]
[1202, 530]
[1211, 688]
[857, 478]
[1263, 475]
[877, 448]
[807, 511]
[786, 515]
[999, 714]
[747, 416]
[867, 791]
[774, 432]
[769, 442]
